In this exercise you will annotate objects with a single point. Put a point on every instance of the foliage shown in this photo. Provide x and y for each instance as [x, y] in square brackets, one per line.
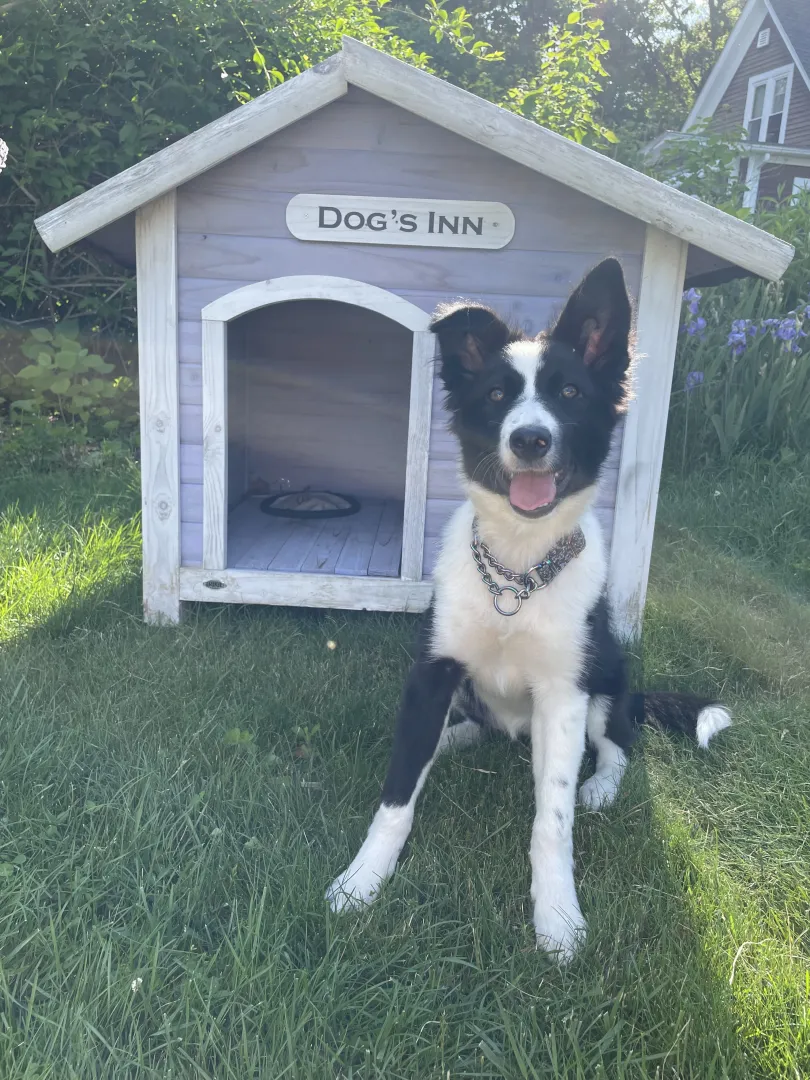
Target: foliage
[564, 93]
[661, 53]
[455, 25]
[88, 87]
[702, 163]
[40, 445]
[742, 371]
[514, 27]
[65, 381]
[742, 376]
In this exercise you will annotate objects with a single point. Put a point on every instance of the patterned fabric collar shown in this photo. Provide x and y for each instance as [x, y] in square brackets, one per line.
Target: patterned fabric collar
[529, 581]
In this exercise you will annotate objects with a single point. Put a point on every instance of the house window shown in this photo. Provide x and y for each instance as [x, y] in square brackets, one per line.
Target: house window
[766, 108]
[801, 184]
[764, 38]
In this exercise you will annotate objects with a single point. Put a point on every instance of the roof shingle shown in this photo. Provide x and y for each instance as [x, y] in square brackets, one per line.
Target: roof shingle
[794, 15]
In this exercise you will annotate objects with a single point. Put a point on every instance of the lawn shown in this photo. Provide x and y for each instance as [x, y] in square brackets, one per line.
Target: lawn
[173, 803]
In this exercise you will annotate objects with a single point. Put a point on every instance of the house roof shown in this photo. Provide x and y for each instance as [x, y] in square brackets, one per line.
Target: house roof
[724, 237]
[793, 19]
[790, 17]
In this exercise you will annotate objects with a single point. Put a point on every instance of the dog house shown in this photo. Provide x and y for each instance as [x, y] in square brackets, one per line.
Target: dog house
[288, 258]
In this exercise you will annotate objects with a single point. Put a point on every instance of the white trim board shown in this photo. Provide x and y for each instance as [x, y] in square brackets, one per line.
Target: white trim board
[156, 245]
[739, 42]
[304, 590]
[719, 78]
[317, 287]
[480, 121]
[192, 155]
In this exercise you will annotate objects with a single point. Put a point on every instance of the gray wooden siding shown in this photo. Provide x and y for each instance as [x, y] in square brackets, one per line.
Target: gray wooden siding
[232, 231]
[730, 113]
[327, 398]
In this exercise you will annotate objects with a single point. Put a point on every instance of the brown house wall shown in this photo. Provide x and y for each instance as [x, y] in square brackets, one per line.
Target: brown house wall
[778, 179]
[730, 113]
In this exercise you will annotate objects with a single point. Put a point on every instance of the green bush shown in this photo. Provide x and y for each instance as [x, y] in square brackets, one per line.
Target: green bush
[65, 381]
[40, 444]
[88, 87]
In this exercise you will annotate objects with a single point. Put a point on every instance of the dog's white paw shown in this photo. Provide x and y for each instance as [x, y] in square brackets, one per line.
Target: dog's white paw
[599, 790]
[356, 887]
[374, 862]
[560, 929]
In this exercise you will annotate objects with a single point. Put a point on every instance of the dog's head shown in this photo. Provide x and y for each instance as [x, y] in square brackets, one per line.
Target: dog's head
[534, 416]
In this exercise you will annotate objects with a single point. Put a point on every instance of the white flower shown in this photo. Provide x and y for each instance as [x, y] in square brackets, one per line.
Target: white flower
[136, 984]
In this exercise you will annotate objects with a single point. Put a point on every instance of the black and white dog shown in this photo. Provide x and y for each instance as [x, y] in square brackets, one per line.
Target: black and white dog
[534, 418]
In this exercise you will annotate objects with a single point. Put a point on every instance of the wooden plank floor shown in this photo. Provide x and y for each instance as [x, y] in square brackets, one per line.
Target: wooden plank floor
[367, 544]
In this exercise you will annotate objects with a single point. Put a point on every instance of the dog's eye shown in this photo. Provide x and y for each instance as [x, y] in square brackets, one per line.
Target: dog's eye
[569, 391]
[496, 394]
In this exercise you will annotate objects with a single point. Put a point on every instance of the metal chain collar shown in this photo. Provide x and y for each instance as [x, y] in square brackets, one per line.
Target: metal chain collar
[531, 580]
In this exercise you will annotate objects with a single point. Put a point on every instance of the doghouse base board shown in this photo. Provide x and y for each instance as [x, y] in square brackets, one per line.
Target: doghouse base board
[304, 590]
[367, 544]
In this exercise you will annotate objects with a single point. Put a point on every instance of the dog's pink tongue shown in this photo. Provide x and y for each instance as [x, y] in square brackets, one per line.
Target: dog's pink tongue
[531, 490]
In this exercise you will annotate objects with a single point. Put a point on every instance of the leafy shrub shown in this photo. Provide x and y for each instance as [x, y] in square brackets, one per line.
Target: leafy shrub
[65, 381]
[88, 87]
[563, 95]
[702, 163]
[40, 445]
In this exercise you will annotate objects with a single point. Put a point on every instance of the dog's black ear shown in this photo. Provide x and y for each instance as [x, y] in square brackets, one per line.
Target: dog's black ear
[467, 334]
[597, 320]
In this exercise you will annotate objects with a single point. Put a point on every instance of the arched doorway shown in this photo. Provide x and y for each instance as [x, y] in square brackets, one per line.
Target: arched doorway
[321, 383]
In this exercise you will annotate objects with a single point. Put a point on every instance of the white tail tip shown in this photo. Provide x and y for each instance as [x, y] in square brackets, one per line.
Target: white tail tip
[710, 720]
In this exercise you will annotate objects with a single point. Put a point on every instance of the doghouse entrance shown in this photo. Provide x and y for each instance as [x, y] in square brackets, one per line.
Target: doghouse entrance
[318, 401]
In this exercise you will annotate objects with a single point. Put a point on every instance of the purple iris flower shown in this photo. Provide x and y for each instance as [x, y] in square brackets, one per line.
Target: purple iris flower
[692, 298]
[693, 379]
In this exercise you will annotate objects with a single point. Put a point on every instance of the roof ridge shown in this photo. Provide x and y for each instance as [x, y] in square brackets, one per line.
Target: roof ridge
[445, 105]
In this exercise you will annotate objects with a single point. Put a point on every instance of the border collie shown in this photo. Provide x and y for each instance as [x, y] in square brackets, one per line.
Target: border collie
[519, 636]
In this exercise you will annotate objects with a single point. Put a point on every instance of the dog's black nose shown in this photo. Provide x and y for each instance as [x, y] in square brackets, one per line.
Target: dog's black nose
[530, 443]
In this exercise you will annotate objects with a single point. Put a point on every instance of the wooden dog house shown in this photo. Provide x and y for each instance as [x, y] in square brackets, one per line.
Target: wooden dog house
[288, 258]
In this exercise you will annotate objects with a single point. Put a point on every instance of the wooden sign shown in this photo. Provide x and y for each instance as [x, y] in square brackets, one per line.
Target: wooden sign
[358, 219]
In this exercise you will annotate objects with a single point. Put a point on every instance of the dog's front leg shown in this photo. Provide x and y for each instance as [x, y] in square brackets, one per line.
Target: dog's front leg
[558, 743]
[422, 715]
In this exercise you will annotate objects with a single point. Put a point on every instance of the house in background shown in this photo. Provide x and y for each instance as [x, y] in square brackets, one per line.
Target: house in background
[761, 83]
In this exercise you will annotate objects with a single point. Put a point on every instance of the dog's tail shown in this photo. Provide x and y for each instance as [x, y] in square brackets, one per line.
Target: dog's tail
[699, 718]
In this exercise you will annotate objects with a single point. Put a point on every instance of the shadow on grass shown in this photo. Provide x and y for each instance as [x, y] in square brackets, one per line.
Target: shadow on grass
[641, 997]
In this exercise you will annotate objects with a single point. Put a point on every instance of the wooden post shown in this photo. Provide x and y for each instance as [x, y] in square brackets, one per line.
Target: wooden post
[659, 311]
[156, 240]
[215, 443]
[416, 467]
[752, 177]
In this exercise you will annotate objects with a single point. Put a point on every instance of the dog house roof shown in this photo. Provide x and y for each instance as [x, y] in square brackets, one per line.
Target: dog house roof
[726, 245]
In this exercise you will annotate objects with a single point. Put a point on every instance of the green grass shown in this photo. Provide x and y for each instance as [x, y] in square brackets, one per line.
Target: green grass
[173, 803]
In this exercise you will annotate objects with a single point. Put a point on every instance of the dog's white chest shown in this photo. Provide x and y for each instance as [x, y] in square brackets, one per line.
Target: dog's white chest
[512, 657]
